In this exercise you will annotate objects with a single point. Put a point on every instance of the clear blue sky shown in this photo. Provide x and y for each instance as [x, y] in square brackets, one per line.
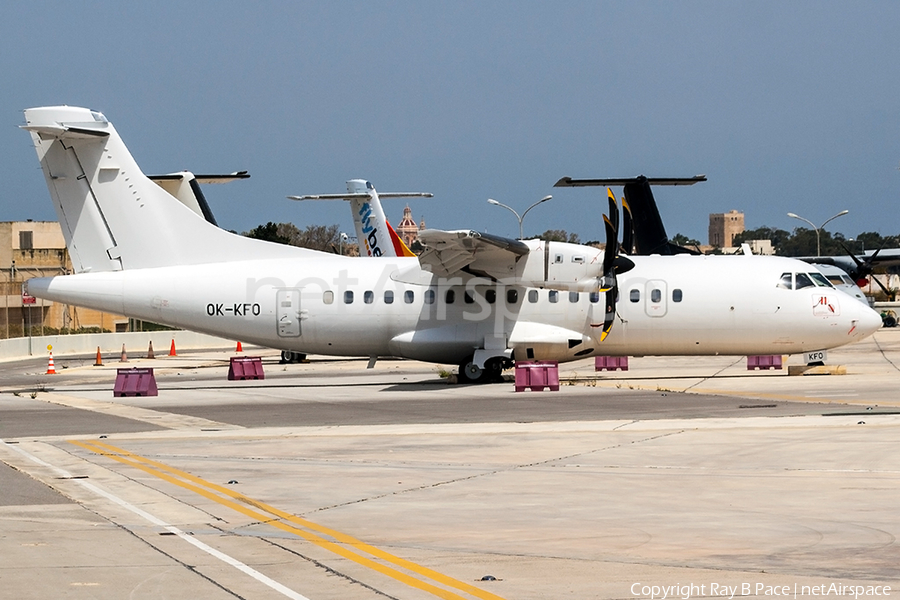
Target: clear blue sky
[785, 106]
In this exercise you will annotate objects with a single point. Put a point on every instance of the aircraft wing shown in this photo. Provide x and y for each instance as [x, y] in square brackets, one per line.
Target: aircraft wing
[450, 252]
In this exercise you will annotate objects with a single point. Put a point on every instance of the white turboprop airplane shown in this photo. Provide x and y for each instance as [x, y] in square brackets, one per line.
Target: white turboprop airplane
[476, 300]
[375, 235]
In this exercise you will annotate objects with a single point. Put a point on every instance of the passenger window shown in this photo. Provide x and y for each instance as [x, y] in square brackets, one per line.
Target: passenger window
[450, 297]
[467, 297]
[554, 296]
[429, 296]
[512, 296]
[594, 297]
[409, 296]
[573, 297]
[655, 296]
[786, 281]
[490, 295]
[388, 297]
[634, 295]
[676, 295]
[532, 296]
[802, 280]
[368, 297]
[348, 297]
[328, 297]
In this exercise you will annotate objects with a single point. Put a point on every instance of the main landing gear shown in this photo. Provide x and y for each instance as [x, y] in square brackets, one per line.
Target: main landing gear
[289, 356]
[492, 372]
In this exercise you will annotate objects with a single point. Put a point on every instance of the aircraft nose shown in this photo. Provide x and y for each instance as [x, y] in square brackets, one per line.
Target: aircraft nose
[867, 322]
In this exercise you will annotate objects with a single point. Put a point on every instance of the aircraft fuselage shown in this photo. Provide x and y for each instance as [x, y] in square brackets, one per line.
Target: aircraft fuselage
[683, 305]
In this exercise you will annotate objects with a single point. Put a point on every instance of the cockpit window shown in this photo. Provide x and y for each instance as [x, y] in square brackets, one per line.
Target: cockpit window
[786, 281]
[820, 280]
[802, 280]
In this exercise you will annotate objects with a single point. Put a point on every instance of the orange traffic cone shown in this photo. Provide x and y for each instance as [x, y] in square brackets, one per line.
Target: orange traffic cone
[124, 357]
[50, 369]
[150, 350]
[99, 361]
[172, 349]
[239, 348]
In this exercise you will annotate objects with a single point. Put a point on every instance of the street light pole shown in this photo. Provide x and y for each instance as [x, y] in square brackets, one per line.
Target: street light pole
[522, 218]
[819, 228]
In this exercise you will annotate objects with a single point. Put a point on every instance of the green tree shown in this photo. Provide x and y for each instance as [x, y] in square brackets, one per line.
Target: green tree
[777, 236]
[268, 232]
[683, 240]
[559, 235]
[315, 237]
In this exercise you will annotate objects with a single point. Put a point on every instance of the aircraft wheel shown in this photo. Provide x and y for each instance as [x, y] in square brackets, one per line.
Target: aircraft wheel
[494, 369]
[469, 372]
[289, 356]
[890, 321]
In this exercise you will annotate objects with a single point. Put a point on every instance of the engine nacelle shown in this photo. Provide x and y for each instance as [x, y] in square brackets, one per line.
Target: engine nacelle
[560, 266]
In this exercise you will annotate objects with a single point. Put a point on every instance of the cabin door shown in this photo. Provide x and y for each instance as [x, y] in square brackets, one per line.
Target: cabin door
[287, 312]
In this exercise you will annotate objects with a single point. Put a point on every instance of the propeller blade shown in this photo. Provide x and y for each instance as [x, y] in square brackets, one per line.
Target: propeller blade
[609, 286]
[609, 314]
[861, 267]
[881, 285]
[627, 228]
[609, 257]
[612, 234]
[613, 211]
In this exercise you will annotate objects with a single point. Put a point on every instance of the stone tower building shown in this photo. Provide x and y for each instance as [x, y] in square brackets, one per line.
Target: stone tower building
[723, 227]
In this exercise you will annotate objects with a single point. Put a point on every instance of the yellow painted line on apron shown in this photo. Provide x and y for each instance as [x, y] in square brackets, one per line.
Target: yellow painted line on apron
[767, 396]
[215, 492]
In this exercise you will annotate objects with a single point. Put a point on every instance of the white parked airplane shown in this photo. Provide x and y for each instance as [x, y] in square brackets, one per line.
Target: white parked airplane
[470, 299]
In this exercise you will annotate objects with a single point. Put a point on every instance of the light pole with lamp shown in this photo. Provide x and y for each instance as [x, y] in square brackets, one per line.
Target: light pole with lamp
[522, 218]
[819, 228]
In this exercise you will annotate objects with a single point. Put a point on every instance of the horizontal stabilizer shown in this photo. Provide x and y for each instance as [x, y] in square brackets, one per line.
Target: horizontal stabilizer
[226, 178]
[569, 182]
[185, 187]
[362, 196]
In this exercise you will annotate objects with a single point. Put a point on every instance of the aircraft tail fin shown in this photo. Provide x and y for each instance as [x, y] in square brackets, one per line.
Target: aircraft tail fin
[647, 233]
[185, 186]
[400, 247]
[375, 235]
[112, 216]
